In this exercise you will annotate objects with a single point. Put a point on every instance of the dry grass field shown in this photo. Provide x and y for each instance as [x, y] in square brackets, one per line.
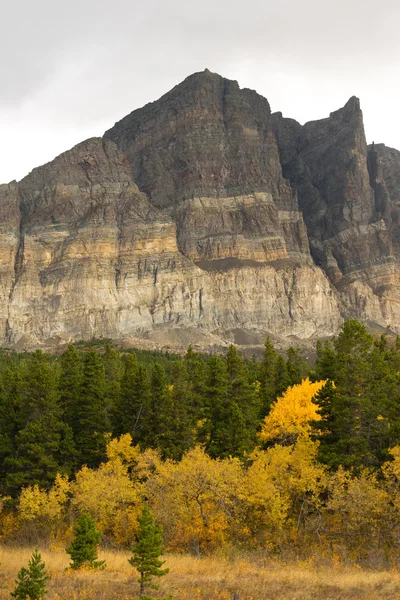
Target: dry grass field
[205, 579]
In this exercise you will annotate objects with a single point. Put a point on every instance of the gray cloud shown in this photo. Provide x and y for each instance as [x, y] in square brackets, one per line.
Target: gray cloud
[72, 69]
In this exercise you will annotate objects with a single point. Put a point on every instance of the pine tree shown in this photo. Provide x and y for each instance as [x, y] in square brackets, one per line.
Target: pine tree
[83, 548]
[44, 443]
[114, 369]
[70, 386]
[228, 435]
[297, 368]
[158, 424]
[246, 403]
[146, 553]
[268, 377]
[183, 416]
[133, 403]
[11, 390]
[31, 582]
[91, 418]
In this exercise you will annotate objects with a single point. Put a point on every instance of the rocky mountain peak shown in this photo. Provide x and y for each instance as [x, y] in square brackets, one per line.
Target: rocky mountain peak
[202, 212]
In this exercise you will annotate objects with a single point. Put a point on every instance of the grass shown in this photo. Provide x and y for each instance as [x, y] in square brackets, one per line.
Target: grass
[209, 578]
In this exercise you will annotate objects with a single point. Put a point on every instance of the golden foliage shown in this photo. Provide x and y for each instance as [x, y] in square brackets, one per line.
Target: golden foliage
[196, 499]
[291, 413]
[35, 503]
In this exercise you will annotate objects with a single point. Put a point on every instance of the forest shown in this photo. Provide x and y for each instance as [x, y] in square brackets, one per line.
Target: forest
[273, 455]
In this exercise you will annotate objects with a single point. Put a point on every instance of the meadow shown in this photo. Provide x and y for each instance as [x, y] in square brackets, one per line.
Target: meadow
[210, 578]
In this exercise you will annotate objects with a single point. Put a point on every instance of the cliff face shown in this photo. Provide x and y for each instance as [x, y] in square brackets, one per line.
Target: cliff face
[203, 210]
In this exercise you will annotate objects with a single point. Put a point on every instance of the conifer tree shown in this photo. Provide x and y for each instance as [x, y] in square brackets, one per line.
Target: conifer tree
[228, 435]
[268, 377]
[196, 373]
[83, 548]
[159, 419]
[297, 368]
[133, 403]
[31, 582]
[247, 403]
[71, 385]
[114, 369]
[44, 444]
[183, 414]
[11, 390]
[91, 418]
[146, 553]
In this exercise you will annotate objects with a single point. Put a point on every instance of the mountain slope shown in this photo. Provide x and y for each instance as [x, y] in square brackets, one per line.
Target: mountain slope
[204, 211]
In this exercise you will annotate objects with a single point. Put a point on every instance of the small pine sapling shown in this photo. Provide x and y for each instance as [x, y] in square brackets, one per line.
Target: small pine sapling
[31, 582]
[83, 548]
[146, 553]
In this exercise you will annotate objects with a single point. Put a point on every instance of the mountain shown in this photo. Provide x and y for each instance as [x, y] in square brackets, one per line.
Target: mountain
[204, 216]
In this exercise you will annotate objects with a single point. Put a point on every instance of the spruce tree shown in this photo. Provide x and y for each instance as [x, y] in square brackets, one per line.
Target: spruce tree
[227, 435]
[133, 402]
[31, 582]
[245, 401]
[268, 377]
[146, 553]
[70, 386]
[91, 418]
[44, 443]
[297, 368]
[83, 548]
[158, 423]
[114, 369]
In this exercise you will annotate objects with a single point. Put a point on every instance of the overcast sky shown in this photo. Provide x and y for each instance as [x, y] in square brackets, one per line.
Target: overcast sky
[69, 70]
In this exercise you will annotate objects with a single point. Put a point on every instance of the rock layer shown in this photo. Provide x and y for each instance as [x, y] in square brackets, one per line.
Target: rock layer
[203, 210]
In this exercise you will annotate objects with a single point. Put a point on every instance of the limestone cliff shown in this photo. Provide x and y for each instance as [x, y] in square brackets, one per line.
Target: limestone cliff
[202, 211]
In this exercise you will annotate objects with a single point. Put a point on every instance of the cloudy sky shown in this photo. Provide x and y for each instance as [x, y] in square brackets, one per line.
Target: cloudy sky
[70, 69]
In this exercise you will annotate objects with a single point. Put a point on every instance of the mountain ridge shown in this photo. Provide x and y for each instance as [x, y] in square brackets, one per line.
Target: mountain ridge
[204, 210]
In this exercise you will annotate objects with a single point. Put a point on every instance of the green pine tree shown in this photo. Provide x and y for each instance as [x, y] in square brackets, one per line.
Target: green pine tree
[44, 444]
[133, 402]
[267, 377]
[70, 385]
[297, 368]
[31, 582]
[91, 418]
[83, 548]
[146, 553]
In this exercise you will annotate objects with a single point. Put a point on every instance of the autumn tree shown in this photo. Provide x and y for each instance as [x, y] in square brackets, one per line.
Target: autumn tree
[291, 414]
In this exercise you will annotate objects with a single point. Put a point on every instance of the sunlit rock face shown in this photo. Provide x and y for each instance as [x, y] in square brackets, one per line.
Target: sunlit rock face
[204, 211]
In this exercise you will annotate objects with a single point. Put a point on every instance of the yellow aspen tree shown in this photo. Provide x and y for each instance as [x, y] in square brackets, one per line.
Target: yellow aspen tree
[290, 414]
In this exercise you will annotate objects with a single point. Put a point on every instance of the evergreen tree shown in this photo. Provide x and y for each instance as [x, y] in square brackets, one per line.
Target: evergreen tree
[83, 548]
[31, 582]
[11, 391]
[114, 369]
[281, 378]
[196, 373]
[360, 412]
[227, 433]
[158, 423]
[133, 403]
[91, 418]
[268, 377]
[183, 414]
[44, 444]
[70, 386]
[247, 402]
[325, 364]
[146, 553]
[296, 367]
